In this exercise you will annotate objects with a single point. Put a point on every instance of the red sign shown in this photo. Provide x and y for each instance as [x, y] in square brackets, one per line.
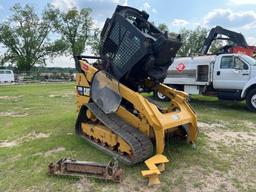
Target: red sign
[180, 67]
[85, 67]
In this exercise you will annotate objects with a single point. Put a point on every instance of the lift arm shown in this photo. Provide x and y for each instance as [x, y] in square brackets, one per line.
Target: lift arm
[235, 37]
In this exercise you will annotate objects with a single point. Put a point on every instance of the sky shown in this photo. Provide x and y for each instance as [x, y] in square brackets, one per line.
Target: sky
[237, 15]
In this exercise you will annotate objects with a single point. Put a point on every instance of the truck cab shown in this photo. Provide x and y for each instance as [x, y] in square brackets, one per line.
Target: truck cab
[234, 77]
[233, 71]
[228, 76]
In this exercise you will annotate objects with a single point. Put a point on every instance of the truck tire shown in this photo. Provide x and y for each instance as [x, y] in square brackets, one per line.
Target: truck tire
[251, 100]
[159, 96]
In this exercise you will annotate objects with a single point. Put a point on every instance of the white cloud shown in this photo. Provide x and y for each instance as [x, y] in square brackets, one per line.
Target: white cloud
[146, 6]
[64, 5]
[101, 9]
[243, 2]
[98, 24]
[61, 61]
[66, 61]
[231, 19]
[154, 10]
[251, 40]
[121, 2]
[179, 22]
[250, 26]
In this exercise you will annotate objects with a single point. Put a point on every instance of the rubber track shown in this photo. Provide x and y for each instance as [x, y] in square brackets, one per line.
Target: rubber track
[142, 147]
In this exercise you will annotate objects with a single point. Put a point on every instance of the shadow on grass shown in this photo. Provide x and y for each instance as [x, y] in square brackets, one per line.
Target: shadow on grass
[221, 104]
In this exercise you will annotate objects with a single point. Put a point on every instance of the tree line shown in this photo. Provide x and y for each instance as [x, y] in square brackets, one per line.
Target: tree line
[28, 38]
[192, 40]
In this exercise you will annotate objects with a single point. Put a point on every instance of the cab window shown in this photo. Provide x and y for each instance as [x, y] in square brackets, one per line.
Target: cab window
[8, 72]
[227, 62]
[231, 62]
[239, 64]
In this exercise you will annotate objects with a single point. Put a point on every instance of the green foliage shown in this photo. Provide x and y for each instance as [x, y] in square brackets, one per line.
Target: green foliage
[25, 36]
[75, 28]
[192, 41]
[1, 61]
[95, 41]
[163, 27]
[215, 46]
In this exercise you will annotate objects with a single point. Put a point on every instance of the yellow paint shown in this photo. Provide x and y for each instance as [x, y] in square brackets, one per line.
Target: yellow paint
[136, 122]
[81, 81]
[103, 135]
[151, 121]
[155, 165]
[90, 115]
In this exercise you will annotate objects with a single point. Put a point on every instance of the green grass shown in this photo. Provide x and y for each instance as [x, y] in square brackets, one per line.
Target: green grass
[50, 109]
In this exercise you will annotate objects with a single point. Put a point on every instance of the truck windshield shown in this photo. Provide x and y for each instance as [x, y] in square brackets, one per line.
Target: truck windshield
[249, 60]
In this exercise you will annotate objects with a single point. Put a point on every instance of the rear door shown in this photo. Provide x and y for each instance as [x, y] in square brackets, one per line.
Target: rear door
[230, 73]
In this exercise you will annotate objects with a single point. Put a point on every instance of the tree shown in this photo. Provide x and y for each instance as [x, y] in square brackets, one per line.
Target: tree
[192, 41]
[25, 37]
[163, 27]
[95, 41]
[1, 61]
[75, 28]
[215, 46]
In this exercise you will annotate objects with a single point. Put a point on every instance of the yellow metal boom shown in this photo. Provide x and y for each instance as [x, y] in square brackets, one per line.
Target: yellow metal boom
[149, 119]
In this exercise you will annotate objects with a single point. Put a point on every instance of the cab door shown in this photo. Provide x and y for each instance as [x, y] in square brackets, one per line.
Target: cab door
[232, 73]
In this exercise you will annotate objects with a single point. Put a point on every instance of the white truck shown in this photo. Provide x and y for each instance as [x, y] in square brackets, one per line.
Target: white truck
[6, 76]
[228, 76]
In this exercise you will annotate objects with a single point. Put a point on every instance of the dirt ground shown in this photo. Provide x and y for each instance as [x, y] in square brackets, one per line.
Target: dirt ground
[234, 148]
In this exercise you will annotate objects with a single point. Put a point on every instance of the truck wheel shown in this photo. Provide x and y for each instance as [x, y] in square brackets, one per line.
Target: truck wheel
[160, 96]
[251, 100]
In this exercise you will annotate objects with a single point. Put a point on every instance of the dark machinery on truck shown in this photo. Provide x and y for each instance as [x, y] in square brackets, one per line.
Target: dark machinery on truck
[238, 45]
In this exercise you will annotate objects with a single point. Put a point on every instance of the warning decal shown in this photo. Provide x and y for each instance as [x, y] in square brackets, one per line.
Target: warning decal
[180, 67]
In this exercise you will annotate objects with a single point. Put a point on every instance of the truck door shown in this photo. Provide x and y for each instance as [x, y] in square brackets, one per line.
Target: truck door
[230, 73]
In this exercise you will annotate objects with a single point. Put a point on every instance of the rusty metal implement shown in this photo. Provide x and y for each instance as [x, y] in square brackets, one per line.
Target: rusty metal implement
[71, 167]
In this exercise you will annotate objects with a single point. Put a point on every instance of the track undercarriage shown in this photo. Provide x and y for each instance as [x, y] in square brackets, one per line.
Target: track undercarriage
[112, 135]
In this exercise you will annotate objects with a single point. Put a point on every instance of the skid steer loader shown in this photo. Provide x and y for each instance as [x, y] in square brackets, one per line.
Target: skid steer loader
[114, 115]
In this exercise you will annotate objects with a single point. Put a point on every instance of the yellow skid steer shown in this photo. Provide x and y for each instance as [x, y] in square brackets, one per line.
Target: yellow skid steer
[116, 112]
